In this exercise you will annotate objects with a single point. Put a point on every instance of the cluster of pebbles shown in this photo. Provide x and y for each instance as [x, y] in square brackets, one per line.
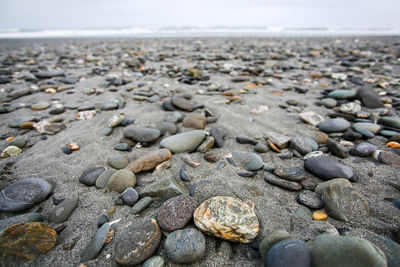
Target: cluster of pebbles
[228, 152]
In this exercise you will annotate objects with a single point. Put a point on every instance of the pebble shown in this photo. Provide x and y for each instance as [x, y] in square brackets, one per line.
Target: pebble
[149, 161]
[271, 179]
[249, 160]
[122, 147]
[344, 203]
[89, 176]
[102, 220]
[363, 149]
[206, 145]
[184, 104]
[141, 134]
[11, 151]
[304, 213]
[166, 127]
[366, 126]
[369, 97]
[246, 140]
[121, 180]
[389, 157]
[19, 121]
[286, 252]
[320, 137]
[319, 215]
[40, 105]
[332, 251]
[24, 194]
[350, 108]
[96, 243]
[173, 117]
[195, 121]
[334, 125]
[311, 118]
[183, 142]
[304, 145]
[261, 148]
[310, 199]
[176, 212]
[185, 246]
[321, 187]
[268, 242]
[342, 94]
[129, 196]
[62, 211]
[27, 217]
[46, 74]
[393, 122]
[326, 168]
[164, 188]
[390, 248]
[26, 241]
[118, 161]
[337, 149]
[138, 242]
[228, 218]
[155, 261]
[218, 137]
[210, 156]
[115, 120]
[328, 102]
[20, 143]
[141, 205]
[102, 180]
[294, 174]
[66, 150]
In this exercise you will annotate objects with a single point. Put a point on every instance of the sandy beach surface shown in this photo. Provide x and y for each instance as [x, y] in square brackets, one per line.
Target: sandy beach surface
[255, 88]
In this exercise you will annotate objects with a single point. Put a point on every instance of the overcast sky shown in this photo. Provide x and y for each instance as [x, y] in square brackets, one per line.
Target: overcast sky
[60, 14]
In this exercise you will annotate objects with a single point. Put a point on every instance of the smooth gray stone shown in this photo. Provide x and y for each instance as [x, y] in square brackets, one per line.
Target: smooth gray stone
[328, 102]
[106, 131]
[389, 247]
[344, 203]
[332, 251]
[141, 205]
[337, 149]
[118, 161]
[185, 246]
[369, 97]
[24, 194]
[183, 103]
[287, 253]
[63, 210]
[155, 261]
[103, 178]
[20, 143]
[164, 188]
[109, 105]
[334, 125]
[393, 122]
[249, 160]
[321, 187]
[326, 168]
[28, 217]
[310, 199]
[272, 179]
[121, 180]
[17, 122]
[122, 147]
[129, 196]
[369, 126]
[49, 74]
[342, 94]
[268, 242]
[90, 176]
[166, 127]
[304, 213]
[218, 137]
[96, 243]
[294, 174]
[363, 149]
[304, 145]
[183, 142]
[141, 134]
[173, 117]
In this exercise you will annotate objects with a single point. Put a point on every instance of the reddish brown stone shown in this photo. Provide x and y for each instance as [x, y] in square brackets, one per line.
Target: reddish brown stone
[149, 161]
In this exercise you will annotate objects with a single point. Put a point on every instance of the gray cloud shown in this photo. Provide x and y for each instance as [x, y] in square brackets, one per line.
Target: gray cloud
[126, 13]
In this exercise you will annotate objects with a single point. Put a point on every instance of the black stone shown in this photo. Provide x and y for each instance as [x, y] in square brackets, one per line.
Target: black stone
[245, 140]
[90, 176]
[218, 137]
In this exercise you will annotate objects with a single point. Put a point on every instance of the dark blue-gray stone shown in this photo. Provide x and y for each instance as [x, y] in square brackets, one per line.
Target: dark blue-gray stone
[390, 121]
[304, 145]
[96, 243]
[249, 160]
[102, 220]
[141, 134]
[342, 94]
[326, 168]
[122, 147]
[28, 217]
[218, 137]
[90, 176]
[129, 196]
[363, 149]
[62, 211]
[24, 194]
[141, 205]
[267, 243]
[334, 125]
[288, 253]
[389, 247]
[185, 246]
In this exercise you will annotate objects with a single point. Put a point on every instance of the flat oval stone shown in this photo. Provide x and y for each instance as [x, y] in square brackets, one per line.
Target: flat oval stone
[155, 261]
[24, 194]
[321, 187]
[372, 127]
[363, 149]
[138, 242]
[249, 160]
[45, 74]
[149, 161]
[63, 210]
[89, 176]
[328, 102]
[27, 240]
[196, 121]
[141, 134]
[183, 103]
[271, 179]
[268, 242]
[310, 199]
[389, 247]
[183, 142]
[176, 212]
[326, 168]
[129, 196]
[390, 121]
[228, 218]
[141, 205]
[332, 251]
[40, 105]
[342, 94]
[103, 178]
[28, 217]
[304, 145]
[287, 252]
[334, 125]
[344, 203]
[294, 174]
[369, 97]
[118, 161]
[122, 147]
[218, 137]
[185, 246]
[166, 127]
[121, 180]
[96, 243]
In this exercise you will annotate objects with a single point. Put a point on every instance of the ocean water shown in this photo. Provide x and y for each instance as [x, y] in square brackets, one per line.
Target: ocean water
[198, 32]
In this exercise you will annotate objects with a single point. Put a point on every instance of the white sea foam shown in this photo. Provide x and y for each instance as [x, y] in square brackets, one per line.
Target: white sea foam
[197, 32]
